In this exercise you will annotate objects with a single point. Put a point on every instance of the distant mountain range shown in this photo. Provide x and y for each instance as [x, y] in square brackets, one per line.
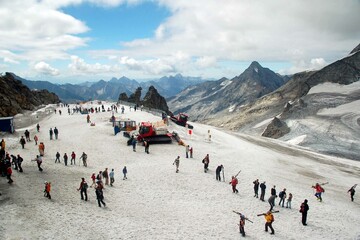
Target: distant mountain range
[110, 90]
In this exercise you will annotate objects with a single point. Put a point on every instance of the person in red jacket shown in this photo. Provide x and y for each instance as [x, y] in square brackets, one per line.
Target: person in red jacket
[73, 156]
[47, 190]
[233, 183]
[8, 174]
[319, 190]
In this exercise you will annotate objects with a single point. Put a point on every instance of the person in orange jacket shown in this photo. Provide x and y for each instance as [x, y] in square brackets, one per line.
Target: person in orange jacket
[41, 148]
[47, 190]
[269, 219]
[233, 183]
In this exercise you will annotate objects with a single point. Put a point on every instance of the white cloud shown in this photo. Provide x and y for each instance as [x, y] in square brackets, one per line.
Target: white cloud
[153, 66]
[302, 65]
[46, 69]
[206, 61]
[79, 66]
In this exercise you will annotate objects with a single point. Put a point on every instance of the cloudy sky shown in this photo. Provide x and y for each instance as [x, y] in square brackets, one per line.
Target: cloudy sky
[79, 40]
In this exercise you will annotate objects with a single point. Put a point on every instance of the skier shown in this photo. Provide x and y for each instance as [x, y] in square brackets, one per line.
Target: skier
[234, 182]
[47, 190]
[99, 194]
[271, 201]
[304, 208]
[256, 188]
[84, 159]
[65, 157]
[124, 172]
[352, 192]
[263, 188]
[288, 203]
[51, 133]
[319, 190]
[36, 139]
[83, 189]
[112, 179]
[57, 157]
[22, 142]
[218, 171]
[38, 127]
[206, 162]
[282, 196]
[242, 223]
[73, 156]
[56, 132]
[177, 163]
[41, 149]
[269, 218]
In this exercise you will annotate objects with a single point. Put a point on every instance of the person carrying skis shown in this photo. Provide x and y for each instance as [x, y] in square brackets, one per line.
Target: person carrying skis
[234, 182]
[218, 171]
[47, 190]
[352, 192]
[83, 189]
[242, 223]
[256, 188]
[177, 163]
[318, 191]
[269, 219]
[304, 208]
[263, 188]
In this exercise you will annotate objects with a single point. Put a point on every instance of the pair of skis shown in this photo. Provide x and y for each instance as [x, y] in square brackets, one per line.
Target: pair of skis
[263, 214]
[243, 215]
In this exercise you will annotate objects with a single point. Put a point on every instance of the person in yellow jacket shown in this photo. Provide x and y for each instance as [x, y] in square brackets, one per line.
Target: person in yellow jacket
[269, 218]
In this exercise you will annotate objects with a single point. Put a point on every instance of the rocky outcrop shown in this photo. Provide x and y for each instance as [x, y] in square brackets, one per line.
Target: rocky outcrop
[153, 99]
[16, 97]
[276, 129]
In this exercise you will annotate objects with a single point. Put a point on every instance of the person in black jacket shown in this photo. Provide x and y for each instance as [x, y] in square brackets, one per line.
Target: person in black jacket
[263, 188]
[304, 208]
[218, 171]
[256, 188]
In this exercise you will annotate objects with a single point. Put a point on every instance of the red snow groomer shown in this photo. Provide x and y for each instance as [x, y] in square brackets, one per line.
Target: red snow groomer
[181, 119]
[154, 133]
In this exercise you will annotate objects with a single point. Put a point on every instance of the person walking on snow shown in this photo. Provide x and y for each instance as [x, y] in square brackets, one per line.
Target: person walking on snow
[84, 159]
[304, 208]
[27, 135]
[38, 127]
[263, 188]
[133, 142]
[8, 174]
[352, 192]
[177, 163]
[99, 194]
[256, 188]
[146, 145]
[105, 174]
[88, 118]
[187, 151]
[269, 219]
[41, 149]
[38, 160]
[57, 157]
[73, 156]
[124, 172]
[22, 142]
[218, 171]
[288, 202]
[65, 157]
[36, 139]
[93, 178]
[271, 201]
[206, 162]
[47, 190]
[56, 132]
[318, 191]
[83, 189]
[112, 179]
[51, 133]
[234, 182]
[19, 161]
[191, 152]
[282, 196]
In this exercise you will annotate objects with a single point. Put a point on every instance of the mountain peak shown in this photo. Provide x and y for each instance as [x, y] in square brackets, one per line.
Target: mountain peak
[254, 65]
[356, 49]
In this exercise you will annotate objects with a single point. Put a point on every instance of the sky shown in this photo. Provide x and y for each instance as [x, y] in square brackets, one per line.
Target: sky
[85, 40]
[155, 202]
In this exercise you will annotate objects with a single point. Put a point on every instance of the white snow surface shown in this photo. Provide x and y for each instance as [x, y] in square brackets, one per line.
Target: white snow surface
[157, 203]
[328, 87]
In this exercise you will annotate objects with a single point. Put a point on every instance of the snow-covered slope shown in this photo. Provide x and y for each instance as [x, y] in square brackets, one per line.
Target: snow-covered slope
[157, 203]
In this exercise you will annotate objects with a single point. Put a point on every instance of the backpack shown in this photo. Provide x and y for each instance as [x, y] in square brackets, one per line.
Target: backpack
[85, 185]
[302, 208]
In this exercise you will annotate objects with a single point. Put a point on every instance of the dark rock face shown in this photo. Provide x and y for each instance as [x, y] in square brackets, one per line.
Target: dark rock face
[276, 129]
[153, 99]
[15, 97]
